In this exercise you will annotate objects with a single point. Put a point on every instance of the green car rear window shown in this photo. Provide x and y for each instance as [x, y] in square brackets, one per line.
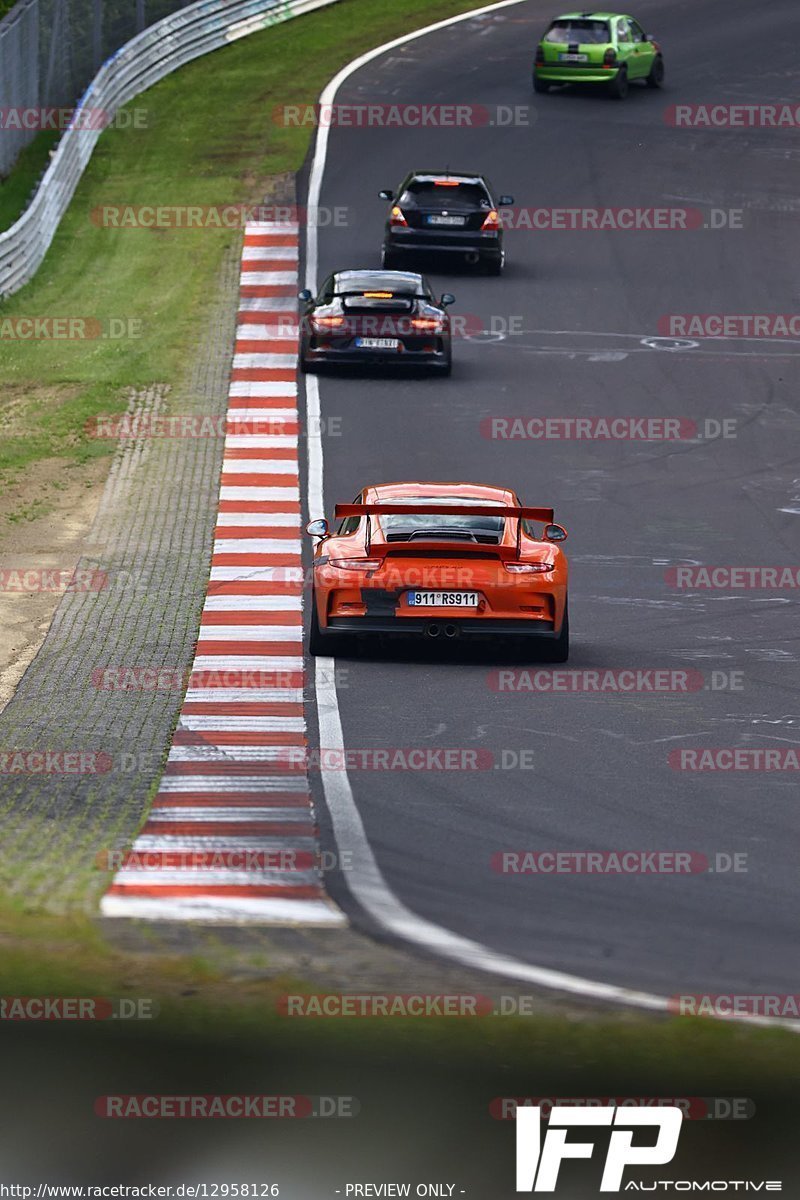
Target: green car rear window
[586, 33]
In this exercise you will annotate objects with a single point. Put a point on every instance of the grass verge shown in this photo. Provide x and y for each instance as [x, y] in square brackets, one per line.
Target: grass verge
[44, 955]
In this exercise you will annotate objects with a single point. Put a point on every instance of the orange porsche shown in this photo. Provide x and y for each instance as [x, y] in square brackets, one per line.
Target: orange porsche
[440, 560]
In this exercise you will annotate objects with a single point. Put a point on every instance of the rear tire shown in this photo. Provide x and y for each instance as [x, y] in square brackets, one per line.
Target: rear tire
[539, 86]
[619, 86]
[443, 369]
[325, 644]
[305, 365]
[315, 646]
[494, 266]
[558, 651]
[656, 77]
[390, 260]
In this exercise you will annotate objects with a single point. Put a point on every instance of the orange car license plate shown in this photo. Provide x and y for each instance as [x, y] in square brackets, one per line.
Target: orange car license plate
[443, 599]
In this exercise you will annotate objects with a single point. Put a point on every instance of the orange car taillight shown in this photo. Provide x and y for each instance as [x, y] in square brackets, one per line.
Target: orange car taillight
[396, 218]
[537, 568]
[610, 57]
[492, 222]
[427, 324]
[327, 322]
[356, 564]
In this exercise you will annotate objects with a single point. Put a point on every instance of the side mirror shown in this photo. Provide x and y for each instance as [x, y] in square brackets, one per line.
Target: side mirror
[555, 533]
[305, 296]
[386, 194]
[505, 200]
[319, 528]
[647, 37]
[447, 299]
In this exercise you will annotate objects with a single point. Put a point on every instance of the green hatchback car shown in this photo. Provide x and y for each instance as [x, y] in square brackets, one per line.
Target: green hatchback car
[597, 47]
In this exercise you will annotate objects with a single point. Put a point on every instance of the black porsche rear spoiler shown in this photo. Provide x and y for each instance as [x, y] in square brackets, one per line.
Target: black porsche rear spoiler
[374, 302]
[448, 510]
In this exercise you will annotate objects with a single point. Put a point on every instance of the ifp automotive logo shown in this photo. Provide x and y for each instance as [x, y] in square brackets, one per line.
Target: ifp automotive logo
[539, 1160]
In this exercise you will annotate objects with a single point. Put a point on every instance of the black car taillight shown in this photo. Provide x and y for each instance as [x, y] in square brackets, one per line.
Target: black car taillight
[539, 56]
[610, 57]
[326, 323]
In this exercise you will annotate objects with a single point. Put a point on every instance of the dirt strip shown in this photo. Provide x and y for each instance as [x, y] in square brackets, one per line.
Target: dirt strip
[141, 579]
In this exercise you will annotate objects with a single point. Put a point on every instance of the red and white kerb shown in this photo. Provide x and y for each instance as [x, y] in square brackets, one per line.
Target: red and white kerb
[231, 793]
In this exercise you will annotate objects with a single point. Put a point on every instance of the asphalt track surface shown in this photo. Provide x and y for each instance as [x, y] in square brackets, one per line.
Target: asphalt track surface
[585, 301]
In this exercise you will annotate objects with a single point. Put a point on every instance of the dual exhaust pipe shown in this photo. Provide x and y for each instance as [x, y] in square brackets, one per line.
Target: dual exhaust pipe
[435, 630]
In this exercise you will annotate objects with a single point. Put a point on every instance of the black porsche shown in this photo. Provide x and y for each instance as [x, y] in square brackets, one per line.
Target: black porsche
[375, 317]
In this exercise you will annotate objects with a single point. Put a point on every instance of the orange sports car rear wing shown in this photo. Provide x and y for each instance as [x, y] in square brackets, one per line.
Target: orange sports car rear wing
[444, 510]
[416, 509]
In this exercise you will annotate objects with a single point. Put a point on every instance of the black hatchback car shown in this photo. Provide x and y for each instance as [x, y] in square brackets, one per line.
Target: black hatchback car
[387, 318]
[442, 213]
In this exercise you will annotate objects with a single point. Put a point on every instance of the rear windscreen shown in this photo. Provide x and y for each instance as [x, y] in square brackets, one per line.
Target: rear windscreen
[412, 525]
[462, 195]
[394, 283]
[578, 32]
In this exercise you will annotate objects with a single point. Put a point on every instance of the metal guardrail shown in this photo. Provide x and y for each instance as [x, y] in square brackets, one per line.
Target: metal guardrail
[141, 62]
